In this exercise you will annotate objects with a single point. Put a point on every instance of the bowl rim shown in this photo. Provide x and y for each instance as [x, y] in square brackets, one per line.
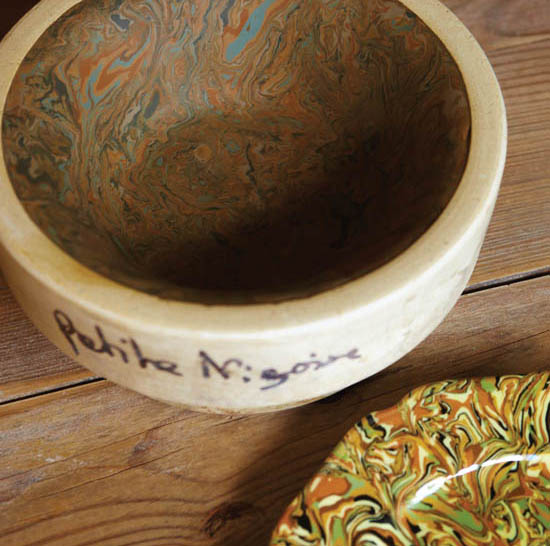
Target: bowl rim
[466, 213]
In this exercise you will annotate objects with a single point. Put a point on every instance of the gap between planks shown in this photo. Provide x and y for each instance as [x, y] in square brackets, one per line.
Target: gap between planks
[505, 281]
[53, 390]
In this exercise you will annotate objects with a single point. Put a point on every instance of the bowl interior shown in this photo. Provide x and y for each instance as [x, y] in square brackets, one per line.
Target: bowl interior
[236, 151]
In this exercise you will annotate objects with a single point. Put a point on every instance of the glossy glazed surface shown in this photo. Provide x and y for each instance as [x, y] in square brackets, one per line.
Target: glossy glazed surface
[236, 151]
[455, 463]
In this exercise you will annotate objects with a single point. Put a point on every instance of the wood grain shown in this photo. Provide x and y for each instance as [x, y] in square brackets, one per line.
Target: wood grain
[516, 36]
[29, 363]
[101, 465]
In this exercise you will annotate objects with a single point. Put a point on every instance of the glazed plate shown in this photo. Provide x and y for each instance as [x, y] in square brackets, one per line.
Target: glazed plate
[455, 463]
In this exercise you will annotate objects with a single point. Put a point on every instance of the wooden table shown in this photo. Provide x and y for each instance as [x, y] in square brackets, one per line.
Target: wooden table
[85, 462]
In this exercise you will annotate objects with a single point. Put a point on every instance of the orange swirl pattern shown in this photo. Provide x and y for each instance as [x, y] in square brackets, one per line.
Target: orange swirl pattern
[268, 148]
[454, 463]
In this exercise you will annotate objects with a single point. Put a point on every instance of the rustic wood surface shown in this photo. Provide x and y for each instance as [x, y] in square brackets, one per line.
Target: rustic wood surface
[516, 37]
[84, 462]
[29, 363]
[97, 464]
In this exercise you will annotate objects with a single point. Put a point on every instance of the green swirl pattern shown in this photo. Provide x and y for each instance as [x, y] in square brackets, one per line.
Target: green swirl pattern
[455, 463]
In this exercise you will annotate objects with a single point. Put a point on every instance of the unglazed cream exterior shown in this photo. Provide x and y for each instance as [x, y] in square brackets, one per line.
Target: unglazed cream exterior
[266, 356]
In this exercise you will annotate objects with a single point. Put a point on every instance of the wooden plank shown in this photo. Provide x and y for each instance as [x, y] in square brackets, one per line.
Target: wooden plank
[516, 36]
[501, 25]
[29, 363]
[101, 465]
[518, 240]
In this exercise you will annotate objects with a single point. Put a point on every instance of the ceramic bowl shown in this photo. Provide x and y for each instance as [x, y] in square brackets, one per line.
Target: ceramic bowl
[455, 463]
[245, 205]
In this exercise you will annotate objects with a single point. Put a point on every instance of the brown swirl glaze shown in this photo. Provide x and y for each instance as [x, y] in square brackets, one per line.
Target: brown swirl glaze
[236, 151]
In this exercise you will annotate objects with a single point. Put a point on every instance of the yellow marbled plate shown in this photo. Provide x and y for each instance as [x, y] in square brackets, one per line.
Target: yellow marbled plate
[463, 462]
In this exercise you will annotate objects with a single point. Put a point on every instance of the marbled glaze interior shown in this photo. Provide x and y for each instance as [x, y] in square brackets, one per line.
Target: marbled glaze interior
[455, 463]
[240, 150]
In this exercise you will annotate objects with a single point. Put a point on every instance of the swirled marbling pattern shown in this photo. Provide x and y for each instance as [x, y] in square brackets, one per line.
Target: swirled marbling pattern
[454, 463]
[236, 150]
